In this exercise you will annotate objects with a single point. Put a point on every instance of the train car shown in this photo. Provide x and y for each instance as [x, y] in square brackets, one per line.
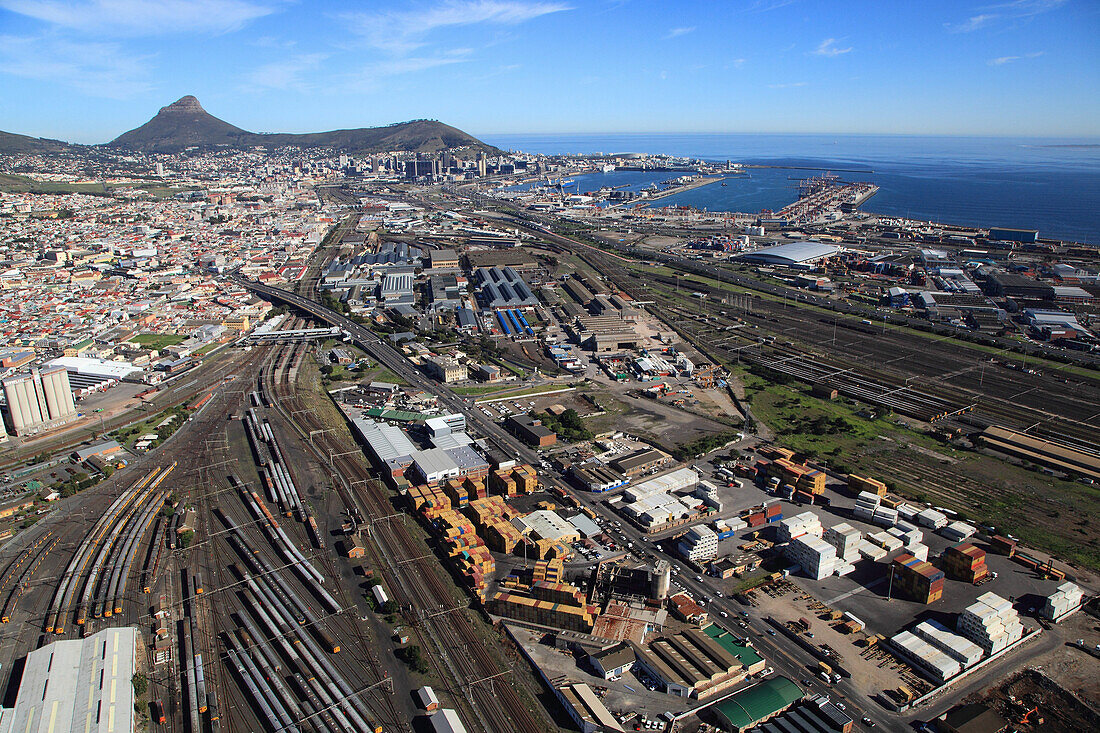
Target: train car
[503, 323]
[326, 640]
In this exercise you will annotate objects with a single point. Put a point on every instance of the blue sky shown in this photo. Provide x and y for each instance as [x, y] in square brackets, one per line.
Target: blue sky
[87, 70]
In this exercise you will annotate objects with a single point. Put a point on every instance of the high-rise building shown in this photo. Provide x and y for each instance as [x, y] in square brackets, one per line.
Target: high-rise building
[39, 398]
[482, 164]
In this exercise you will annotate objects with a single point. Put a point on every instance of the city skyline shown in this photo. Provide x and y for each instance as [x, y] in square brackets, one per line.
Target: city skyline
[1017, 67]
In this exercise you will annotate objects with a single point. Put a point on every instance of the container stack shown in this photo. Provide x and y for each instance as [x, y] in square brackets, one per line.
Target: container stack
[869, 508]
[805, 523]
[959, 648]
[965, 561]
[773, 513]
[917, 579]
[1063, 601]
[991, 623]
[859, 485]
[816, 556]
[932, 519]
[929, 660]
[958, 531]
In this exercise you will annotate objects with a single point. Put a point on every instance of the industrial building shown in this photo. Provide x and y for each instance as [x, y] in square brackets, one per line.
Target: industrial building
[77, 685]
[530, 430]
[446, 369]
[612, 661]
[691, 664]
[652, 505]
[640, 461]
[39, 399]
[502, 287]
[586, 709]
[756, 704]
[795, 254]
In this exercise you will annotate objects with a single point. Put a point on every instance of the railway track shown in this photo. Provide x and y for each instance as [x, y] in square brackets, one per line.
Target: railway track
[428, 603]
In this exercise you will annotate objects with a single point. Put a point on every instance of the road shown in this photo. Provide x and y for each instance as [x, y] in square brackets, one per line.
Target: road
[771, 647]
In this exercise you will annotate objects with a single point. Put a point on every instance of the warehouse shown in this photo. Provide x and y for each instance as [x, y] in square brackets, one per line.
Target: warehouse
[586, 709]
[795, 254]
[78, 684]
[640, 461]
[691, 664]
[757, 704]
[502, 287]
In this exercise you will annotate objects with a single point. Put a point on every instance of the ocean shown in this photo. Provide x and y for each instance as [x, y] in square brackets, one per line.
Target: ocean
[1049, 184]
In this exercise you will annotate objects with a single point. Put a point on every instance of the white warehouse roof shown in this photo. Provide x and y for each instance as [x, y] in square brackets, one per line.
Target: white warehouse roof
[78, 685]
[794, 253]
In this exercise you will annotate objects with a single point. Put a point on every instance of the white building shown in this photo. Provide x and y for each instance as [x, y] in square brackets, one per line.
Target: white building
[77, 684]
[699, 544]
[39, 398]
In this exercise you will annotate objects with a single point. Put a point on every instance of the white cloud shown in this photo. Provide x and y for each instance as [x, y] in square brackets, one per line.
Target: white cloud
[828, 48]
[142, 17]
[972, 24]
[404, 31]
[789, 85]
[94, 68]
[679, 32]
[1003, 13]
[367, 77]
[1002, 60]
[287, 75]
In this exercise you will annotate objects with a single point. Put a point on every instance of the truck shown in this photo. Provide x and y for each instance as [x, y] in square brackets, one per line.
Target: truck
[824, 668]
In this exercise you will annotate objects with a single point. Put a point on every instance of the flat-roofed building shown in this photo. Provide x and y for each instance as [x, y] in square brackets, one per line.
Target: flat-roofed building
[77, 685]
[446, 369]
[530, 430]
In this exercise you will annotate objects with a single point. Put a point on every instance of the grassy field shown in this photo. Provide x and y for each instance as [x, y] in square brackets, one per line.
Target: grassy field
[158, 340]
[481, 390]
[1044, 512]
[529, 391]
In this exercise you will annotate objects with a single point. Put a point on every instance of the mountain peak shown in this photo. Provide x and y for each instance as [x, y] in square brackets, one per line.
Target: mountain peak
[187, 103]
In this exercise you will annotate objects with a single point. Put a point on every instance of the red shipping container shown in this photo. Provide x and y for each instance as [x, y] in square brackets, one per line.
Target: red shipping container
[774, 509]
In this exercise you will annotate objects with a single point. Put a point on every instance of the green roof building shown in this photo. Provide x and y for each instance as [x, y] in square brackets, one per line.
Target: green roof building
[756, 704]
[746, 654]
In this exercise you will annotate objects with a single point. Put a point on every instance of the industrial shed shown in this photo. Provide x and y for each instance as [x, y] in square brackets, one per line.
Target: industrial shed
[758, 703]
[791, 255]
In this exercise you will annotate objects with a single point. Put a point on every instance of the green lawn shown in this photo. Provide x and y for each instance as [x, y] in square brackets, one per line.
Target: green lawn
[158, 340]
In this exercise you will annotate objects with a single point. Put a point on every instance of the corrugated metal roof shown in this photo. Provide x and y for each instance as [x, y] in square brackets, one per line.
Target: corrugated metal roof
[759, 701]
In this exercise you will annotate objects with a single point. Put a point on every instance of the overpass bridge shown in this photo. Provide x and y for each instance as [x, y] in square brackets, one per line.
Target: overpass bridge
[393, 360]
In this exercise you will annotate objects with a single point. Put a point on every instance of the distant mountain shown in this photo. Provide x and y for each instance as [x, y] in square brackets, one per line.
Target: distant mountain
[180, 125]
[10, 142]
[185, 124]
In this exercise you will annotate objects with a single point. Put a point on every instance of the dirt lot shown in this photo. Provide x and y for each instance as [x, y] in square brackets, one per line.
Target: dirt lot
[1058, 708]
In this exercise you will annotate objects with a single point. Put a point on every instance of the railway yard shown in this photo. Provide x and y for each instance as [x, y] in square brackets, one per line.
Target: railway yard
[282, 580]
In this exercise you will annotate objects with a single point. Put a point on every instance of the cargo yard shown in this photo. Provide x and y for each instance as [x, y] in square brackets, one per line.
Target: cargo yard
[493, 462]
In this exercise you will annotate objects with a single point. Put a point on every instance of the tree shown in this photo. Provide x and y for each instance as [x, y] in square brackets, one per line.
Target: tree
[140, 683]
[185, 539]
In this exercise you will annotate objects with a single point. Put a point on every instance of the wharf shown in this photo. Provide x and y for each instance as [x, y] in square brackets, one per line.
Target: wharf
[688, 187]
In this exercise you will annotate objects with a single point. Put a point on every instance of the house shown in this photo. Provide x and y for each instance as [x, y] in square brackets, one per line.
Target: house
[612, 661]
